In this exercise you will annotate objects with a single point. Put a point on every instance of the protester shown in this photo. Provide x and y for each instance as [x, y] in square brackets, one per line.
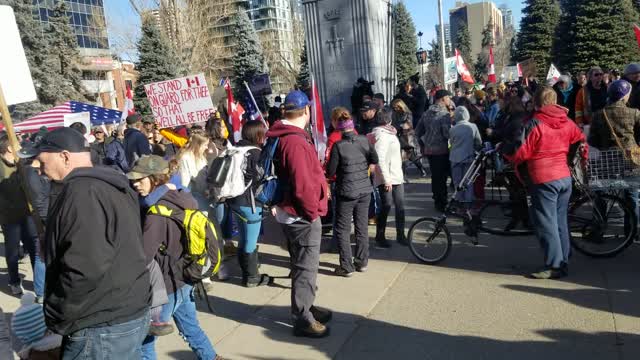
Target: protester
[388, 177]
[115, 155]
[135, 142]
[150, 173]
[148, 125]
[546, 145]
[492, 106]
[465, 141]
[632, 75]
[192, 160]
[591, 97]
[367, 114]
[274, 112]
[351, 158]
[403, 122]
[96, 272]
[624, 121]
[98, 147]
[15, 220]
[247, 210]
[581, 79]
[82, 129]
[305, 201]
[419, 97]
[378, 98]
[566, 93]
[433, 130]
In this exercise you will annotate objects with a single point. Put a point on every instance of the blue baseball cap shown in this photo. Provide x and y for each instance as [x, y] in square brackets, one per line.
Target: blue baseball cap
[296, 100]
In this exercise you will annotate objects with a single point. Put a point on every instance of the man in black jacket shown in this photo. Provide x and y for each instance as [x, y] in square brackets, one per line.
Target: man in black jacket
[98, 288]
[136, 144]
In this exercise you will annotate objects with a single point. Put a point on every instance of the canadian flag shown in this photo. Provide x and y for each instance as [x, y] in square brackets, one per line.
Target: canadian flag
[636, 30]
[319, 131]
[129, 108]
[553, 75]
[492, 67]
[235, 111]
[462, 68]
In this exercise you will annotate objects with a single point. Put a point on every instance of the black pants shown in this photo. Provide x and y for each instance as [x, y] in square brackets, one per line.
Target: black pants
[359, 208]
[440, 168]
[303, 240]
[394, 197]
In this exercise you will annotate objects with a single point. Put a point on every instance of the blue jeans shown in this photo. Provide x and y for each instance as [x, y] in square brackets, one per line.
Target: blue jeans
[182, 308]
[221, 214]
[39, 270]
[113, 342]
[249, 233]
[25, 232]
[549, 203]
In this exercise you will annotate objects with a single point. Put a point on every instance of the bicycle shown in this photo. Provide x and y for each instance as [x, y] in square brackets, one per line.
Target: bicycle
[594, 219]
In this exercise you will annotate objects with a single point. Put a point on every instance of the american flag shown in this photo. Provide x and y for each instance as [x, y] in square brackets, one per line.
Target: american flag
[54, 118]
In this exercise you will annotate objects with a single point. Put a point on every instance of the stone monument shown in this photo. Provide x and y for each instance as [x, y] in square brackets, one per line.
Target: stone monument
[347, 40]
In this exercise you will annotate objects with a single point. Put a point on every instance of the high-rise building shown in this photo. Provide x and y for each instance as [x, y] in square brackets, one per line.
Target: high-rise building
[507, 17]
[476, 16]
[447, 38]
[88, 22]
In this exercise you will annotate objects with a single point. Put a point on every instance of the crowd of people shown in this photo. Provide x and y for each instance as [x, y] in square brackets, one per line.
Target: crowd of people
[108, 255]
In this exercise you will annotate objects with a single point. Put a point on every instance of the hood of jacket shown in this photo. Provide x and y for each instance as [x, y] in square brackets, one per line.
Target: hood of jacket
[389, 129]
[436, 110]
[106, 174]
[179, 199]
[280, 129]
[554, 116]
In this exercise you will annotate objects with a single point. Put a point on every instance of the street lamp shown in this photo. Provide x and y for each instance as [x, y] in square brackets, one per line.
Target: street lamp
[421, 55]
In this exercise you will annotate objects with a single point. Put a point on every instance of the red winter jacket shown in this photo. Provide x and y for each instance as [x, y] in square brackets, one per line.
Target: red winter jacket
[299, 167]
[547, 137]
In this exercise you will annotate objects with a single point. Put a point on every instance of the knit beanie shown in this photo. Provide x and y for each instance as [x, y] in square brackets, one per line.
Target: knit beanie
[617, 90]
[28, 321]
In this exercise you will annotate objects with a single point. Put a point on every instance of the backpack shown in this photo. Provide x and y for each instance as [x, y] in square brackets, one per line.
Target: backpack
[270, 190]
[226, 173]
[201, 256]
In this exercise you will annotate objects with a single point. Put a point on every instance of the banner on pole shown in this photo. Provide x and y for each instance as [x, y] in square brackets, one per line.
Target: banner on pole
[553, 75]
[180, 101]
[450, 71]
[15, 76]
[512, 73]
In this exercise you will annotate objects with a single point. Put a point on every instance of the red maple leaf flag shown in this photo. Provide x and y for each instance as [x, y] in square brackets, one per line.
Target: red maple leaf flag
[235, 111]
[318, 132]
[636, 29]
[462, 68]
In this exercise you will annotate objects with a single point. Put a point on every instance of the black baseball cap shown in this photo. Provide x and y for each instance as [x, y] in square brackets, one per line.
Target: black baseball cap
[378, 96]
[59, 140]
[133, 118]
[442, 93]
[369, 105]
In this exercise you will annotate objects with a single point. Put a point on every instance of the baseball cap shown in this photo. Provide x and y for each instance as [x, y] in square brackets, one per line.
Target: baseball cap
[632, 68]
[369, 105]
[378, 96]
[59, 140]
[296, 100]
[148, 120]
[133, 118]
[148, 165]
[442, 93]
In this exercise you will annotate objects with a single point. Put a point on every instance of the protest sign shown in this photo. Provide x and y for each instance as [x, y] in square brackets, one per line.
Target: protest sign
[512, 73]
[450, 71]
[15, 77]
[180, 101]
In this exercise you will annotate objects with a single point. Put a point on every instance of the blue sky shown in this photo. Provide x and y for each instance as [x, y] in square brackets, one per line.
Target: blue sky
[121, 17]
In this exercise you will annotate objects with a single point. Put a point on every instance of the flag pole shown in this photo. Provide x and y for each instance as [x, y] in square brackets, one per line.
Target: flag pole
[443, 55]
[254, 103]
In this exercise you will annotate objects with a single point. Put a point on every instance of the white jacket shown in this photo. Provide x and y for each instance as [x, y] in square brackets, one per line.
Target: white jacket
[389, 169]
[191, 171]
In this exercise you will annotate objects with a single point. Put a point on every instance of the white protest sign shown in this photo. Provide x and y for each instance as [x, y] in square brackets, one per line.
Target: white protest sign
[83, 117]
[15, 76]
[450, 70]
[512, 73]
[180, 101]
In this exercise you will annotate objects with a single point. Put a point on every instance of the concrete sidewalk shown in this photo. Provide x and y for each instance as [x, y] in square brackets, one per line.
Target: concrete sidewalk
[475, 305]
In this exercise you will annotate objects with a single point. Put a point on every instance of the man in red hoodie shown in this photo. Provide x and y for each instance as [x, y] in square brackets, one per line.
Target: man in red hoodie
[547, 138]
[304, 202]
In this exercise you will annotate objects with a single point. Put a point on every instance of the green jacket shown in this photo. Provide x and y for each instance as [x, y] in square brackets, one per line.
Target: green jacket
[625, 122]
[13, 204]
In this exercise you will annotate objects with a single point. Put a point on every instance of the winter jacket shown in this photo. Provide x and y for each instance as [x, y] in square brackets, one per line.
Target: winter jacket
[465, 140]
[567, 98]
[13, 204]
[334, 137]
[364, 127]
[350, 160]
[299, 168]
[419, 103]
[510, 132]
[588, 101]
[492, 113]
[386, 144]
[96, 269]
[406, 135]
[251, 174]
[193, 173]
[634, 99]
[39, 191]
[136, 144]
[547, 138]
[116, 156]
[160, 230]
[433, 130]
[625, 122]
[98, 153]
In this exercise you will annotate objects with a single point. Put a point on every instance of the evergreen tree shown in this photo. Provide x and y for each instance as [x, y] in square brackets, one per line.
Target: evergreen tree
[604, 34]
[64, 47]
[564, 45]
[249, 59]
[303, 79]
[406, 44]
[537, 30]
[482, 61]
[156, 62]
[435, 63]
[463, 44]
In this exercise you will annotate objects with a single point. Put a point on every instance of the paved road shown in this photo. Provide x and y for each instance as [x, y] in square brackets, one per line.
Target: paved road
[476, 305]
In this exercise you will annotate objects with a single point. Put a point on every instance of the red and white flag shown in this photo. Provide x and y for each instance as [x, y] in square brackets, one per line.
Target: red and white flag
[129, 108]
[235, 112]
[462, 68]
[492, 67]
[553, 75]
[636, 30]
[319, 132]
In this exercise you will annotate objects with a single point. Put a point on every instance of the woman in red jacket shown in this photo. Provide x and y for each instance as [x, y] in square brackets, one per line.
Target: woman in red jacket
[547, 138]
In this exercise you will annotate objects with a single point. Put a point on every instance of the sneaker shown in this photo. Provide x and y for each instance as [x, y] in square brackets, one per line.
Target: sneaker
[383, 244]
[39, 300]
[322, 315]
[223, 273]
[208, 285]
[342, 272]
[361, 268]
[310, 330]
[16, 289]
[160, 329]
[550, 273]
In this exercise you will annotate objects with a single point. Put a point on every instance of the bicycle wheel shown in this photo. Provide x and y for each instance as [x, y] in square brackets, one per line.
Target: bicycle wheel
[601, 225]
[498, 219]
[429, 240]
